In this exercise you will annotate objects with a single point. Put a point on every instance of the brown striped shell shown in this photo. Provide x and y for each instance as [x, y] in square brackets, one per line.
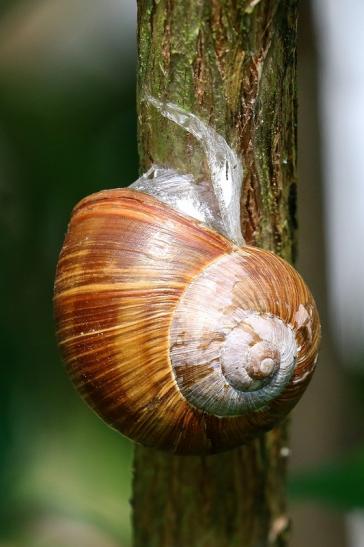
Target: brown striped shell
[175, 336]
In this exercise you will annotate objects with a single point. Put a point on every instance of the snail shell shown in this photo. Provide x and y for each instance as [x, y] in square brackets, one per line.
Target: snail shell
[178, 338]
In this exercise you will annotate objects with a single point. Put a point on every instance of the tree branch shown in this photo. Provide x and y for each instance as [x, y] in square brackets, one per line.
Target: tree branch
[234, 65]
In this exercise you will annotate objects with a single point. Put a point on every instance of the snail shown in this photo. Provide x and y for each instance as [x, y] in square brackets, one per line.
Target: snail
[178, 334]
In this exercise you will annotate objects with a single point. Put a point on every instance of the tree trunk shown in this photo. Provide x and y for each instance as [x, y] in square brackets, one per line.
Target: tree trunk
[232, 63]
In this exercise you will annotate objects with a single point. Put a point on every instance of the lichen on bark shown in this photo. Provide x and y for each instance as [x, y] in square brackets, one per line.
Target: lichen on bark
[232, 63]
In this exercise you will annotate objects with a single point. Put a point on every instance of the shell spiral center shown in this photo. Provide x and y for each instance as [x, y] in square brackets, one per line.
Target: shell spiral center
[247, 365]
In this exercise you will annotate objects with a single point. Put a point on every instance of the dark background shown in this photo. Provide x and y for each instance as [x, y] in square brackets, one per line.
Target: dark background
[67, 129]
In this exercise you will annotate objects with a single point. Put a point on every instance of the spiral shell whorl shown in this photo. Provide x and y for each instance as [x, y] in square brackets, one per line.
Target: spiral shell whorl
[258, 355]
[230, 354]
[247, 364]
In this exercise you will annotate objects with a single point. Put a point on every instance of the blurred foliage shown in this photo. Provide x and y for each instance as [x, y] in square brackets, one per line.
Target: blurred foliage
[339, 484]
[57, 144]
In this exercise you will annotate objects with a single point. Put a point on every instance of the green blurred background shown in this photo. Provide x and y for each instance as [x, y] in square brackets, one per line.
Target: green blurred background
[67, 129]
